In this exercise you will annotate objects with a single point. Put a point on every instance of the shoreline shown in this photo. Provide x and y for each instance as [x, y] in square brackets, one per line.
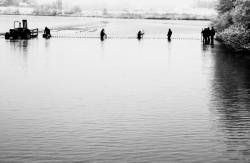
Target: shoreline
[233, 46]
[112, 17]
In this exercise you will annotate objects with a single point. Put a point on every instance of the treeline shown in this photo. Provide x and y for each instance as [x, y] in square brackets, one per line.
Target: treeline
[233, 23]
[52, 9]
[205, 4]
[16, 2]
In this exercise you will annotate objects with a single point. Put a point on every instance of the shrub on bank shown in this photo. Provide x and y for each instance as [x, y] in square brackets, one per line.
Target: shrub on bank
[236, 36]
[233, 23]
[223, 21]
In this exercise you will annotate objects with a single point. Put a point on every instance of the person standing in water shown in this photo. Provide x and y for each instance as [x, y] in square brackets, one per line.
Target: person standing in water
[140, 35]
[203, 36]
[206, 36]
[212, 34]
[103, 35]
[46, 33]
[169, 34]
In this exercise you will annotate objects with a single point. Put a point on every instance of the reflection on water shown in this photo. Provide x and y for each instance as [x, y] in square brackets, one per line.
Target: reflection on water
[84, 100]
[231, 102]
[20, 47]
[47, 44]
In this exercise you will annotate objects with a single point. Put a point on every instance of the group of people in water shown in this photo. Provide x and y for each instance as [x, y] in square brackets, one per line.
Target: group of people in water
[208, 35]
[140, 34]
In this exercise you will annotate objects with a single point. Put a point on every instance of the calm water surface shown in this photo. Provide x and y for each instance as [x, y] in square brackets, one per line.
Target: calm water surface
[123, 100]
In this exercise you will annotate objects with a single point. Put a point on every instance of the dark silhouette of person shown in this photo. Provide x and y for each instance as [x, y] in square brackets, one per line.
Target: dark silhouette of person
[206, 33]
[103, 35]
[140, 35]
[212, 34]
[169, 34]
[46, 33]
[203, 36]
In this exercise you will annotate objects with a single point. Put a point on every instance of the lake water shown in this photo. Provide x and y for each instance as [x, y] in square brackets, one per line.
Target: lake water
[122, 100]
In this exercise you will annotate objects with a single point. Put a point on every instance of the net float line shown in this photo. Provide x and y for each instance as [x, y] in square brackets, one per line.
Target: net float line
[117, 37]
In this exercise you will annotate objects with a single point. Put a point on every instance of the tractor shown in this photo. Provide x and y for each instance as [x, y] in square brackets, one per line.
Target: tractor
[21, 32]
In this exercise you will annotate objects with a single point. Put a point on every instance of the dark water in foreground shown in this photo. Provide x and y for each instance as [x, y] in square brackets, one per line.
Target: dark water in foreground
[82, 100]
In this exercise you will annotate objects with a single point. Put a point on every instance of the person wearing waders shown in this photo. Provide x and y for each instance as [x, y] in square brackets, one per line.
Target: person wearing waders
[140, 35]
[169, 34]
[212, 34]
[46, 33]
[208, 35]
[103, 35]
[203, 36]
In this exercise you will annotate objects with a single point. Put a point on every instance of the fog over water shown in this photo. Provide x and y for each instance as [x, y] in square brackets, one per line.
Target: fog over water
[122, 100]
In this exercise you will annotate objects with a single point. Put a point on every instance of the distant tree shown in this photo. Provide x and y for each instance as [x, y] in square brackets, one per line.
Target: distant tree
[16, 2]
[10, 2]
[206, 4]
[225, 6]
[45, 9]
[223, 21]
[241, 13]
[30, 2]
[76, 10]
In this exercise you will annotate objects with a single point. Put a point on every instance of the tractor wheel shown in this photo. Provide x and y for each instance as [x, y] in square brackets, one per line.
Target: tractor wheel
[7, 35]
[28, 36]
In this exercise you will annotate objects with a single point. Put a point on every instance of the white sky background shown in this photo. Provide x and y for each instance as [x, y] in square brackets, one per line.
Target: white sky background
[171, 5]
[135, 3]
[148, 3]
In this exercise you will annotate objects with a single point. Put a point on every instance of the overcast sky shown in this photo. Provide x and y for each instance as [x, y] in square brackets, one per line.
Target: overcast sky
[136, 3]
[170, 5]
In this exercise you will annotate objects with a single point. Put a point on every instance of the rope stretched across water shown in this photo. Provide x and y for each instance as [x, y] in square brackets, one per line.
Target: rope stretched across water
[122, 37]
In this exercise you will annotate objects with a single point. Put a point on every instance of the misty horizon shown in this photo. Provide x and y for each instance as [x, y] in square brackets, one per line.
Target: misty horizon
[178, 6]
